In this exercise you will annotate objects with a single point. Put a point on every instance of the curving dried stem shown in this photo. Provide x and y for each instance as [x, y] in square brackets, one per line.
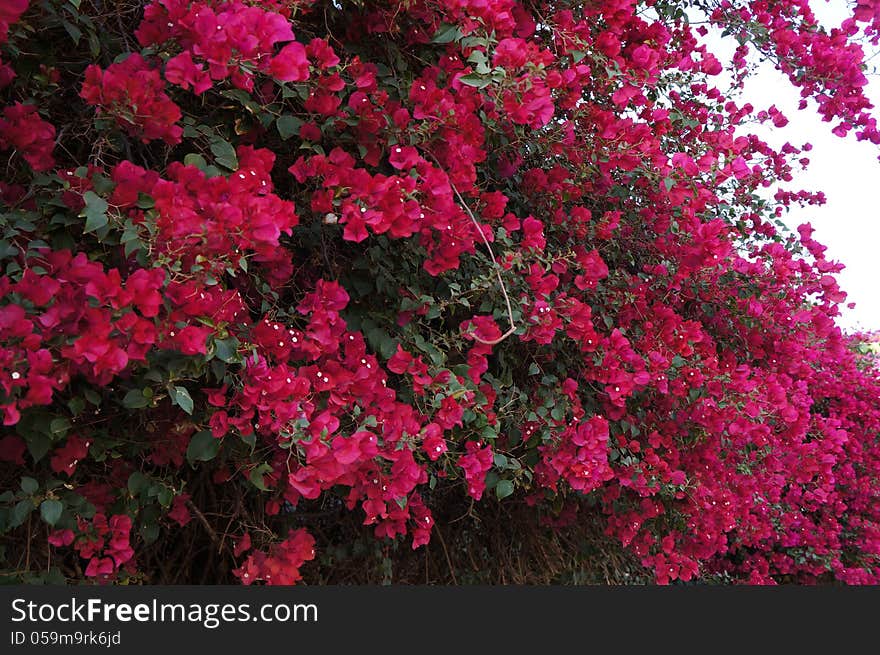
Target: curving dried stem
[476, 223]
[512, 329]
[204, 521]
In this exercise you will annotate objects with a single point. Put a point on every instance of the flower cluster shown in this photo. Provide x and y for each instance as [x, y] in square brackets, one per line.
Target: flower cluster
[81, 320]
[103, 542]
[281, 565]
[22, 130]
[215, 221]
[403, 255]
[133, 93]
[223, 40]
[10, 12]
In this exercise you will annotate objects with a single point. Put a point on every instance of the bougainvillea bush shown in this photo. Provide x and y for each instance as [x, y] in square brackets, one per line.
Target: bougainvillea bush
[273, 268]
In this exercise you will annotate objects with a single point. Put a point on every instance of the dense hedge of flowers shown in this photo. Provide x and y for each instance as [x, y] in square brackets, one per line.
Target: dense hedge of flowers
[361, 252]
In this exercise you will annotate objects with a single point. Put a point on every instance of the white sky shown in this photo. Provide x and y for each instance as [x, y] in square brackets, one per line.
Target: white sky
[847, 171]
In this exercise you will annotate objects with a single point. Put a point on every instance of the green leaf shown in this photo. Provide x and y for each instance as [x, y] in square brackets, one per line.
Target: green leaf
[195, 159]
[145, 201]
[74, 32]
[135, 399]
[446, 34]
[503, 489]
[131, 247]
[288, 126]
[150, 532]
[165, 497]
[20, 512]
[479, 58]
[95, 212]
[29, 485]
[218, 368]
[94, 44]
[203, 447]
[226, 349]
[224, 154]
[380, 340]
[137, 482]
[129, 234]
[475, 80]
[296, 91]
[256, 476]
[148, 524]
[426, 347]
[153, 375]
[76, 405]
[475, 41]
[51, 510]
[180, 397]
[59, 426]
[38, 445]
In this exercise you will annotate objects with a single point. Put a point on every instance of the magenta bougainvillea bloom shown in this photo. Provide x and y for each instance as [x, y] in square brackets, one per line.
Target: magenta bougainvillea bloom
[264, 262]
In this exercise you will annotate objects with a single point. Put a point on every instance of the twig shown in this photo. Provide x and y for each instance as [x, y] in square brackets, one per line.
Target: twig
[446, 552]
[27, 561]
[469, 512]
[228, 525]
[201, 517]
[470, 214]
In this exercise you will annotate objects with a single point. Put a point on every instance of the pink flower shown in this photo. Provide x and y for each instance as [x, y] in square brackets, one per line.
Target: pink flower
[476, 463]
[65, 459]
[179, 511]
[12, 449]
[404, 157]
[186, 73]
[242, 545]
[22, 128]
[100, 567]
[433, 442]
[533, 234]
[291, 64]
[740, 168]
[60, 538]
[133, 92]
[191, 340]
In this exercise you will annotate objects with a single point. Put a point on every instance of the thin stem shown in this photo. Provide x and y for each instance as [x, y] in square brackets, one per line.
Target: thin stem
[512, 329]
[473, 218]
[204, 521]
